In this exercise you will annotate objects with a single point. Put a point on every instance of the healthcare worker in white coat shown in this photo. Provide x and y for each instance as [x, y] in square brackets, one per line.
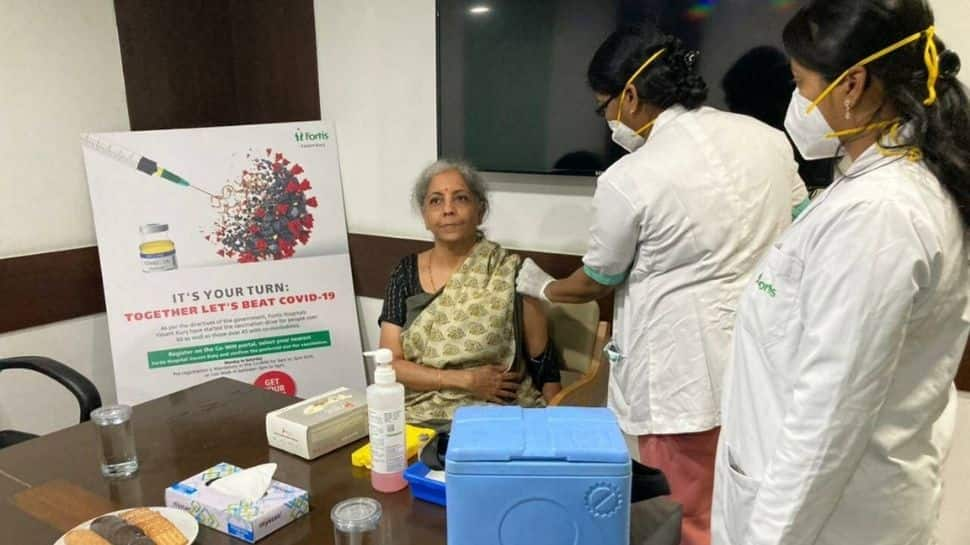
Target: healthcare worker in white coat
[679, 223]
[850, 333]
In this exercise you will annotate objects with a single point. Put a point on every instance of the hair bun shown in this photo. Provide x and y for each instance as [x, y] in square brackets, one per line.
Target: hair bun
[949, 64]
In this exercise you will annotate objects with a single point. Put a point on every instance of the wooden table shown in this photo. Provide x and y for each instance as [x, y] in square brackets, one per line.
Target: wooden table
[52, 483]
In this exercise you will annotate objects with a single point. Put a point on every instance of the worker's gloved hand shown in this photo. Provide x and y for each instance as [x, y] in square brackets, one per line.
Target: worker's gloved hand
[532, 280]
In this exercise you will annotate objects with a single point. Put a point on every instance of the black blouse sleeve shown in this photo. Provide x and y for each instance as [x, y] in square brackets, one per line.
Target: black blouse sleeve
[544, 368]
[400, 286]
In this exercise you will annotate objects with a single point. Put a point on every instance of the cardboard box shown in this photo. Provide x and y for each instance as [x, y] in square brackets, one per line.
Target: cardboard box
[245, 520]
[320, 424]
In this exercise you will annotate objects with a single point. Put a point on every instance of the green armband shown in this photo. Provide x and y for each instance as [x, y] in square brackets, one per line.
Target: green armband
[799, 208]
[604, 279]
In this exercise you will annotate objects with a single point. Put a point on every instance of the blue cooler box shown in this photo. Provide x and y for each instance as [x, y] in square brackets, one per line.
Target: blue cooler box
[556, 476]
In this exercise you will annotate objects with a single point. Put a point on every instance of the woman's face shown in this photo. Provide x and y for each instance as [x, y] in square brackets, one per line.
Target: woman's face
[608, 106]
[811, 84]
[451, 211]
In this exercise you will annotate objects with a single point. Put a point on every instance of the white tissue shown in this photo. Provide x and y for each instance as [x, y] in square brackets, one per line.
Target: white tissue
[249, 484]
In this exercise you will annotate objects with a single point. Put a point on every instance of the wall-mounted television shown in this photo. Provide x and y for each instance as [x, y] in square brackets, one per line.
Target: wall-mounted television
[512, 92]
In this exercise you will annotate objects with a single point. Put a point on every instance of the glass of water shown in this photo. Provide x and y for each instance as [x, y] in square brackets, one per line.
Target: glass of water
[117, 439]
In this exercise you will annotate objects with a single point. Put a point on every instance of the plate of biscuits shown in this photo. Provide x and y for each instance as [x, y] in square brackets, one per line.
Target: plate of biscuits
[139, 526]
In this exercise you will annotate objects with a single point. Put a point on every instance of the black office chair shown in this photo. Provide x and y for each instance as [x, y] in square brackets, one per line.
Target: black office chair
[87, 395]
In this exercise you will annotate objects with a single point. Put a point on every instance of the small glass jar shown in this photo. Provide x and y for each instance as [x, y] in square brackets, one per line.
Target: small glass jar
[356, 522]
[157, 250]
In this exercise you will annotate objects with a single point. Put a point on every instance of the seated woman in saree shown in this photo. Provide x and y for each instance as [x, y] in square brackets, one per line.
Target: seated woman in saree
[459, 332]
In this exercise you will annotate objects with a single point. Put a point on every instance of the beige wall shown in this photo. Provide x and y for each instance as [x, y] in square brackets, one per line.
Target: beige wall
[953, 25]
[61, 69]
[955, 516]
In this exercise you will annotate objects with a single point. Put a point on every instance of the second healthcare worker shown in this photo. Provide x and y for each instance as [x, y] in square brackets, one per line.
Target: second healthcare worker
[678, 226]
[851, 332]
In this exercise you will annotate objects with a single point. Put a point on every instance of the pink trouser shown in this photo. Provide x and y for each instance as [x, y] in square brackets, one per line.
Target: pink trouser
[687, 460]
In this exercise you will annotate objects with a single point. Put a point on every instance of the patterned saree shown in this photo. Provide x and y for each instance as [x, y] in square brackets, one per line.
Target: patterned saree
[469, 323]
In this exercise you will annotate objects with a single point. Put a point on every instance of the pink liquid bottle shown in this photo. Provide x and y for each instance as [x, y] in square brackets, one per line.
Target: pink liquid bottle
[385, 418]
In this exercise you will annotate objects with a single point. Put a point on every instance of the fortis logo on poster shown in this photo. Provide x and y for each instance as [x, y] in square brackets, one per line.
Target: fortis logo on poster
[306, 139]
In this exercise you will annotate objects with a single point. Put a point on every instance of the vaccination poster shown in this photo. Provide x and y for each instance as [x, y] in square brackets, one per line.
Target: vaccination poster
[224, 254]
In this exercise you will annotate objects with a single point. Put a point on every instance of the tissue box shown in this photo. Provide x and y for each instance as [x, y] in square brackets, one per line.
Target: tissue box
[525, 476]
[248, 521]
[320, 424]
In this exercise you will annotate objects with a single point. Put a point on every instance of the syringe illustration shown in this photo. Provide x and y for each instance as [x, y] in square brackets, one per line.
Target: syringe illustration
[136, 161]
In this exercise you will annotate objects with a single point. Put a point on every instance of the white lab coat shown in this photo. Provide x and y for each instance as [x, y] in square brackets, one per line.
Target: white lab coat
[846, 345]
[678, 226]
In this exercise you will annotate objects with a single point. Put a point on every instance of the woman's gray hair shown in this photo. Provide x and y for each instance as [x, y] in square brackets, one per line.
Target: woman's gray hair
[473, 179]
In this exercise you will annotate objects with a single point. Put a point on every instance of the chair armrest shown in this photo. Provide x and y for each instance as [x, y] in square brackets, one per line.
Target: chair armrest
[591, 389]
[83, 389]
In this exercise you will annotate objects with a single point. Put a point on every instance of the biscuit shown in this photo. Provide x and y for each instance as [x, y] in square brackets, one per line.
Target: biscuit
[116, 530]
[84, 537]
[155, 526]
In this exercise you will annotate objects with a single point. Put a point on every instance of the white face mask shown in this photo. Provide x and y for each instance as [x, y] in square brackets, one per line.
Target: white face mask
[625, 137]
[810, 131]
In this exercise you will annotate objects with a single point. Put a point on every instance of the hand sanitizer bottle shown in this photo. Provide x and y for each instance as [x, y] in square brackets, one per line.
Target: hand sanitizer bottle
[385, 412]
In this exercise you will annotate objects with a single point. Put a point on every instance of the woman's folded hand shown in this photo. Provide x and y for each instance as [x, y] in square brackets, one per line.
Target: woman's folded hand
[492, 383]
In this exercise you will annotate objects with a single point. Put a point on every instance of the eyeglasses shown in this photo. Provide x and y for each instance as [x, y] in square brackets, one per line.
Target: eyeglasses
[601, 107]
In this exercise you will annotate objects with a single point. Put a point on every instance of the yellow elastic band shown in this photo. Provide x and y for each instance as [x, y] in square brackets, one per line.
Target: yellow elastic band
[647, 126]
[860, 130]
[911, 153]
[930, 56]
[646, 63]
